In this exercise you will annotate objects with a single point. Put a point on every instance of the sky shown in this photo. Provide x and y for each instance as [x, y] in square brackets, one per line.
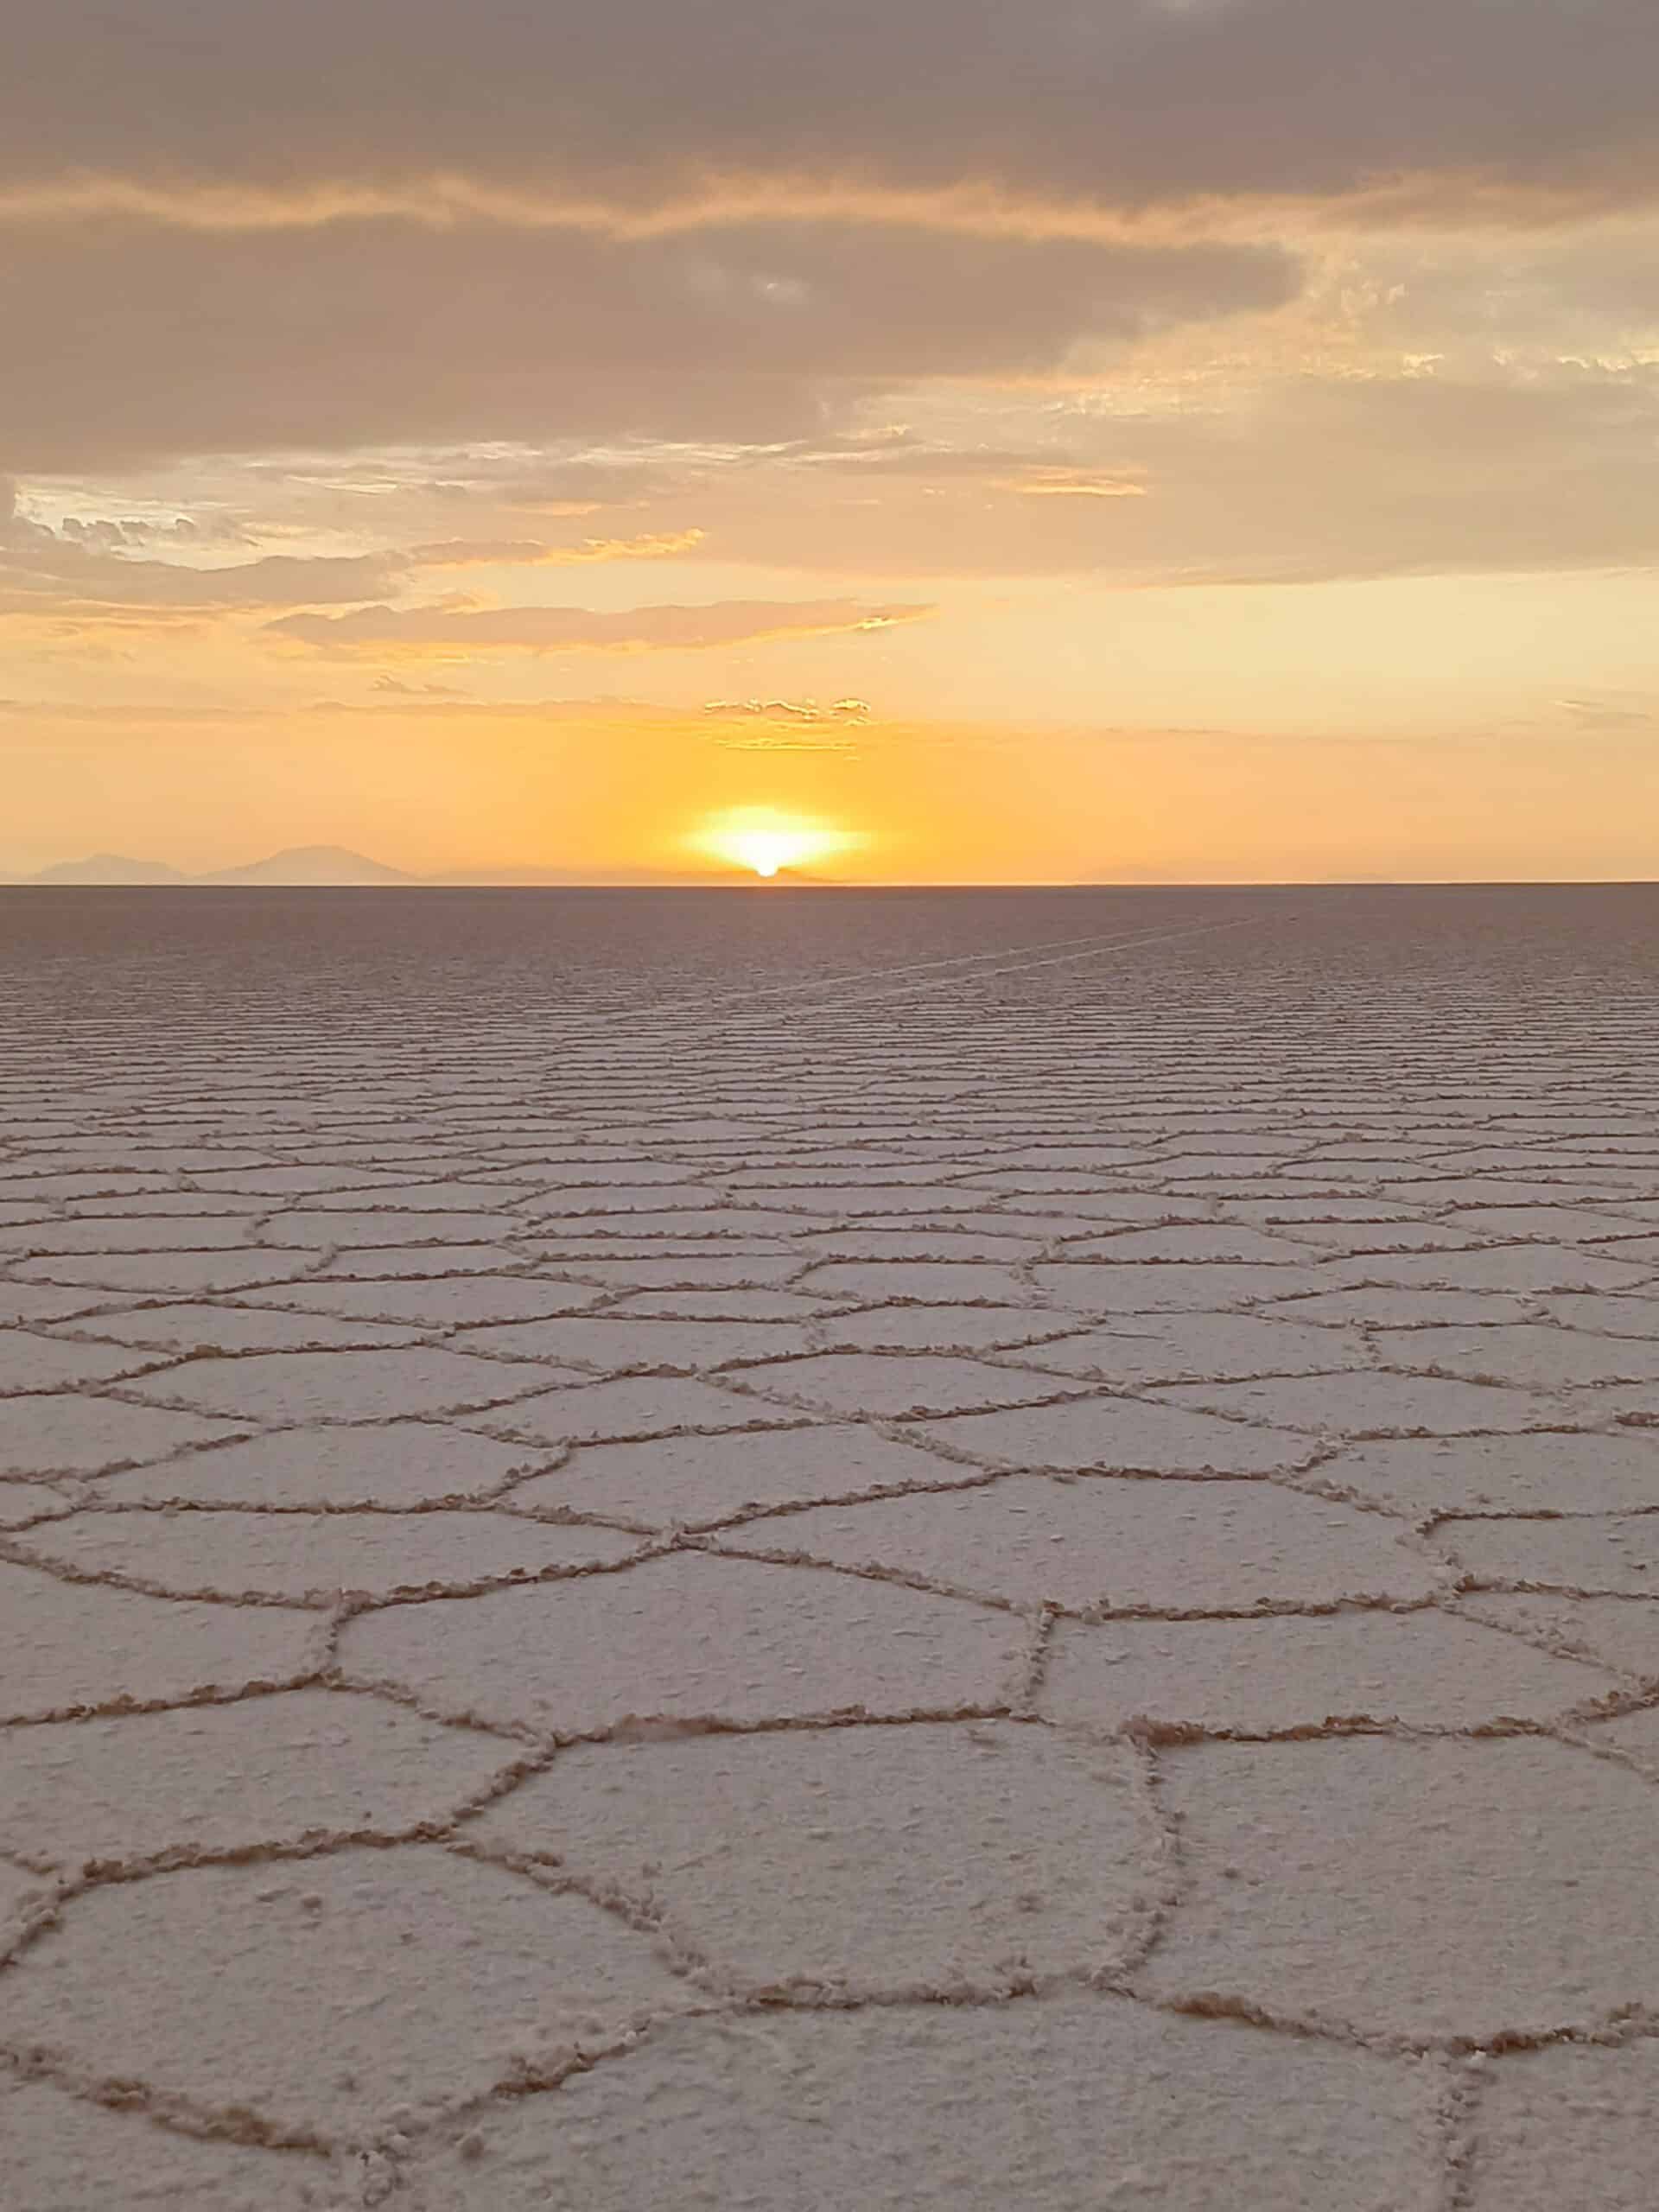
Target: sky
[899, 440]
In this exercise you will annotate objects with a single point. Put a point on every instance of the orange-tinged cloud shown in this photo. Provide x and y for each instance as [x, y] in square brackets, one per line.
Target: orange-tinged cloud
[426, 632]
[1072, 484]
[632, 107]
[524, 553]
[77, 573]
[1456, 197]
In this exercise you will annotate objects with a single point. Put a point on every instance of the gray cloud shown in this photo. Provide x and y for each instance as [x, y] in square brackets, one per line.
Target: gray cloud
[585, 486]
[146, 344]
[1127, 100]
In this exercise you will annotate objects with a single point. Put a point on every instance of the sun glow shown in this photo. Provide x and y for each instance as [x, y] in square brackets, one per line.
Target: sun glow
[766, 841]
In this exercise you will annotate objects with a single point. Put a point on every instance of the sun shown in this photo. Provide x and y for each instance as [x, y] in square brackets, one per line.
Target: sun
[765, 850]
[765, 840]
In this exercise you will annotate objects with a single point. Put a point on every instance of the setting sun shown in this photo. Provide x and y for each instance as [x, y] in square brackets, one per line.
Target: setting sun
[765, 840]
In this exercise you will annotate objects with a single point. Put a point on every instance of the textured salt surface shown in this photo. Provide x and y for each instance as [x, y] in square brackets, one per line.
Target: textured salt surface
[1040, 1591]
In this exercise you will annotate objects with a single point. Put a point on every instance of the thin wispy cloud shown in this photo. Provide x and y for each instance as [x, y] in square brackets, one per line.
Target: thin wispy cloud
[790, 710]
[439, 631]
[528, 553]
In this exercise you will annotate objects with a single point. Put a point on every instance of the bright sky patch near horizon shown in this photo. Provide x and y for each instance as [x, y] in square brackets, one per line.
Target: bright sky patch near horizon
[1158, 439]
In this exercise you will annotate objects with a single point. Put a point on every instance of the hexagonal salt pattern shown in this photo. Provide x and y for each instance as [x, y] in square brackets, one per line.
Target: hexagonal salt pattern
[1101, 1545]
[1380, 1885]
[1072, 2102]
[1423, 1668]
[1566, 2126]
[1036, 1592]
[63, 2152]
[416, 1979]
[296, 1767]
[687, 1639]
[307, 1558]
[865, 1861]
[68, 1648]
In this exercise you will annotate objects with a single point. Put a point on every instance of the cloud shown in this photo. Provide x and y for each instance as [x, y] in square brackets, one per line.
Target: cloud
[563, 261]
[522, 553]
[103, 583]
[1285, 478]
[389, 697]
[145, 344]
[898, 453]
[393, 686]
[842, 711]
[80, 570]
[128, 713]
[584, 487]
[1605, 713]
[1072, 484]
[439, 632]
[324, 107]
[787, 725]
[84, 570]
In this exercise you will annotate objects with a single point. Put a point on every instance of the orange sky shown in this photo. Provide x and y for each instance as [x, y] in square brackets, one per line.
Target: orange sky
[1216, 440]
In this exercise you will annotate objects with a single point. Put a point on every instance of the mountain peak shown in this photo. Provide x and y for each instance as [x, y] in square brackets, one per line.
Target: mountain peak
[109, 868]
[320, 865]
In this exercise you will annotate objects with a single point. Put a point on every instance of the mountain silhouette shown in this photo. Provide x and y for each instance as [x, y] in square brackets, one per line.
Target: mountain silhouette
[338, 867]
[109, 868]
[321, 866]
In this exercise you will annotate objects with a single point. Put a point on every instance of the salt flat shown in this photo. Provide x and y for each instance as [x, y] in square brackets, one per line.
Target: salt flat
[829, 1550]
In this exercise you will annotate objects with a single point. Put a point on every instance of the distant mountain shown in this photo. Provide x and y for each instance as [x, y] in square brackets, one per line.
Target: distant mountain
[108, 867]
[337, 868]
[321, 867]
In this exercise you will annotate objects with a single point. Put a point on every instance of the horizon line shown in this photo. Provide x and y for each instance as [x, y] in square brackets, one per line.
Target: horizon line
[457, 880]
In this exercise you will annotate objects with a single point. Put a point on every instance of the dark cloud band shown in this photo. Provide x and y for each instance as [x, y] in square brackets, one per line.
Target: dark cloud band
[1127, 100]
